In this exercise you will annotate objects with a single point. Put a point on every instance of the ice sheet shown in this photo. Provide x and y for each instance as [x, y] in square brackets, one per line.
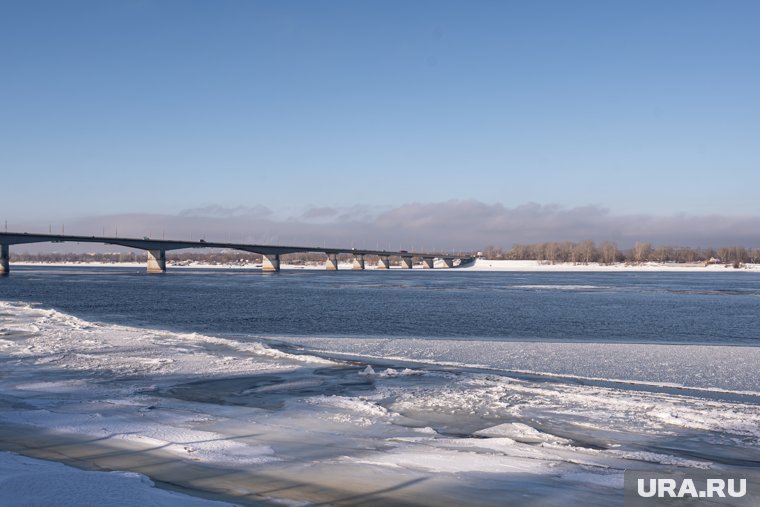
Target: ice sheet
[407, 430]
[717, 368]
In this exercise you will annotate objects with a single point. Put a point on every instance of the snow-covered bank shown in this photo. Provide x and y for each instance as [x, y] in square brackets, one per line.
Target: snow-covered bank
[241, 418]
[478, 265]
[504, 265]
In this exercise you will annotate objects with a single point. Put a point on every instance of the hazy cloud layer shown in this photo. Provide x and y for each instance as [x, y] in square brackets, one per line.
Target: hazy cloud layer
[455, 224]
[319, 213]
[222, 212]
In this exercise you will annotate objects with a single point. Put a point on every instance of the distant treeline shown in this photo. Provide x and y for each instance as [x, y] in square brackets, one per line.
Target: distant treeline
[607, 253]
[231, 257]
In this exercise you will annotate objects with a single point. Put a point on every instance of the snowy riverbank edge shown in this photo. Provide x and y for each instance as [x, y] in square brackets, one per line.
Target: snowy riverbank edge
[485, 265]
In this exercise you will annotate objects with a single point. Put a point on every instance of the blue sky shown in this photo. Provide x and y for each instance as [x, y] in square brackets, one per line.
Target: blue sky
[110, 107]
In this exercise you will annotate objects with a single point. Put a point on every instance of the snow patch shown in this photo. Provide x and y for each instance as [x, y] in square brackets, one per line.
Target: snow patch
[28, 481]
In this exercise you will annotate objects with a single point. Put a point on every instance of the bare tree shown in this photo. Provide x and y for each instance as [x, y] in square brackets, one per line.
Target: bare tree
[641, 252]
[551, 252]
[610, 252]
[586, 251]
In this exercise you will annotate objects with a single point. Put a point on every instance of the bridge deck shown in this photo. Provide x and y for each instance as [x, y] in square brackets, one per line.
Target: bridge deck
[15, 238]
[157, 248]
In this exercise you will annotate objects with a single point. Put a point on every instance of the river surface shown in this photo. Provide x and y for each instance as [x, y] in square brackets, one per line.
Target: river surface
[694, 308]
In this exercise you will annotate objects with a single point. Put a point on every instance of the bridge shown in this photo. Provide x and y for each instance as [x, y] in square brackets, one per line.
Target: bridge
[156, 251]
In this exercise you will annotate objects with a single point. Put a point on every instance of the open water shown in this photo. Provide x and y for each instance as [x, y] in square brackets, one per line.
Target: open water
[694, 308]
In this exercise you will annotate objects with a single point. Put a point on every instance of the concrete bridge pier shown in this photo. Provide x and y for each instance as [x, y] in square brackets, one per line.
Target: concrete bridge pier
[358, 261]
[156, 261]
[406, 262]
[384, 262]
[449, 263]
[332, 262]
[5, 259]
[270, 263]
[427, 262]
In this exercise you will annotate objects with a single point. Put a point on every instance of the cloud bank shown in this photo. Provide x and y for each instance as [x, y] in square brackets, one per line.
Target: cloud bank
[448, 225]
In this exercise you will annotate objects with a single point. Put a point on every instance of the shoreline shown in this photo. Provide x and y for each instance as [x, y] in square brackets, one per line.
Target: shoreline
[480, 265]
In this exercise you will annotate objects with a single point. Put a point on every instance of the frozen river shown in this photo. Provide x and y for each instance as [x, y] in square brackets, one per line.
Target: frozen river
[407, 388]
